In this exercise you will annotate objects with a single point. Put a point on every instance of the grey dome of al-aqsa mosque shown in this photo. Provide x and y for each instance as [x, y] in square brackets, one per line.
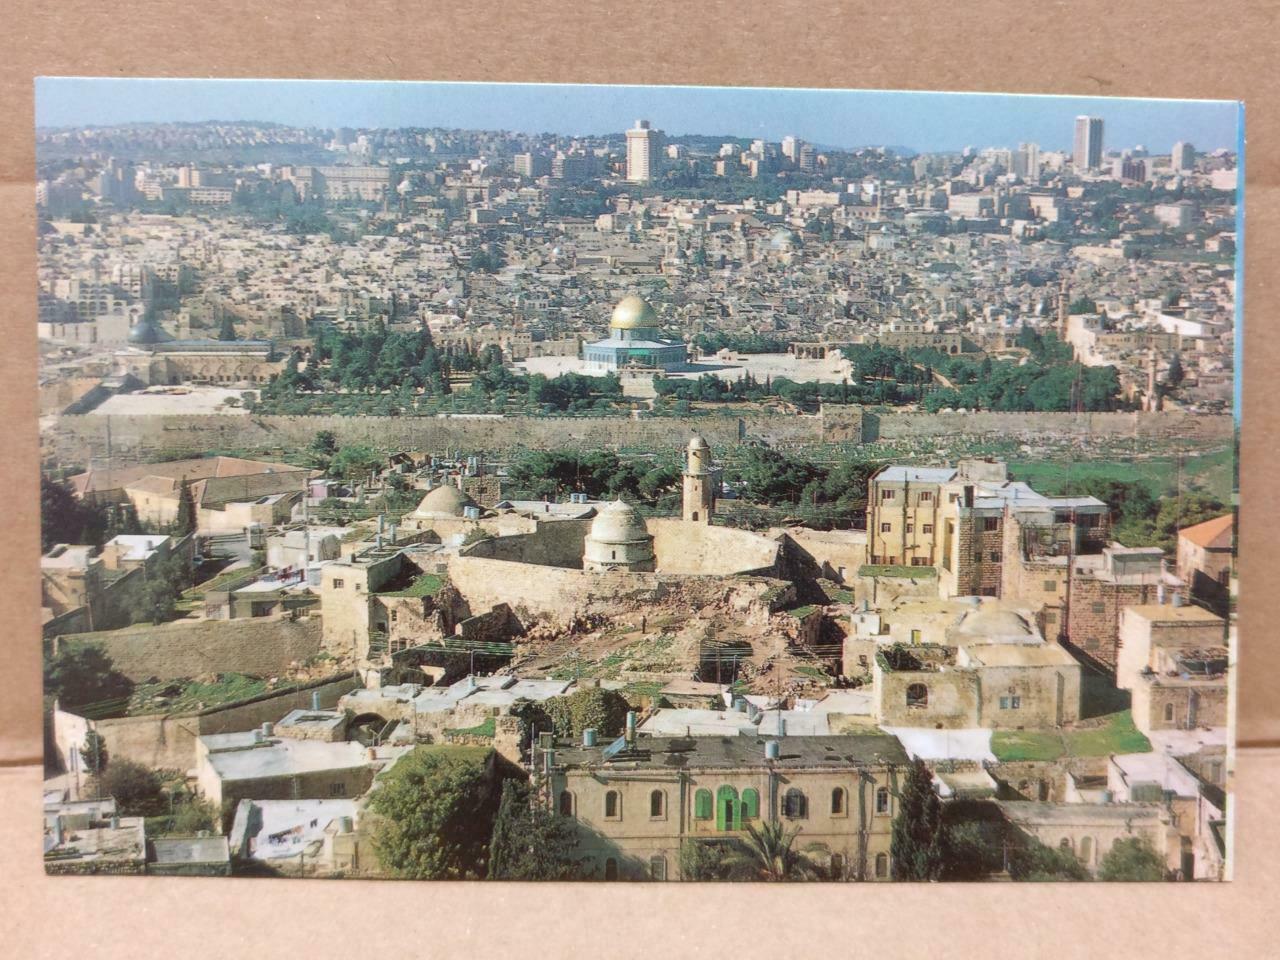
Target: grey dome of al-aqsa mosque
[146, 332]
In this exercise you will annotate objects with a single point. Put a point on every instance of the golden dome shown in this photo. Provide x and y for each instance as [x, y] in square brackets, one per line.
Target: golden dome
[632, 312]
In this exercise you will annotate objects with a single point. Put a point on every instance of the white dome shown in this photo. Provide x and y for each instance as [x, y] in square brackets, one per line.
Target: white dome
[443, 502]
[618, 522]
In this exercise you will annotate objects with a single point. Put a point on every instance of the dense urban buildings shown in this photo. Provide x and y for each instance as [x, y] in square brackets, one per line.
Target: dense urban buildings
[644, 505]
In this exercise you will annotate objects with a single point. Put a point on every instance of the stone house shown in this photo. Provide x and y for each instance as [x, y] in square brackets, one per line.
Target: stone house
[636, 807]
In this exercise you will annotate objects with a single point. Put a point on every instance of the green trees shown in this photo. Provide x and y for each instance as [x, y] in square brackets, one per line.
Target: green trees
[186, 519]
[322, 448]
[354, 463]
[227, 328]
[165, 582]
[436, 810]
[1132, 859]
[137, 790]
[93, 753]
[1032, 861]
[918, 844]
[531, 841]
[592, 708]
[1176, 373]
[64, 518]
[83, 674]
[706, 860]
[769, 853]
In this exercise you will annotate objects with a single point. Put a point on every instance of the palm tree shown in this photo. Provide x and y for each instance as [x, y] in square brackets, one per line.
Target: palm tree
[768, 853]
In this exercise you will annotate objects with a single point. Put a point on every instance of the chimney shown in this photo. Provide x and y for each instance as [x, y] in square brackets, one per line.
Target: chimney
[631, 726]
[968, 495]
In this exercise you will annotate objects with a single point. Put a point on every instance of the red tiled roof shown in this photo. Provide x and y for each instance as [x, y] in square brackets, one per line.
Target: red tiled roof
[1211, 533]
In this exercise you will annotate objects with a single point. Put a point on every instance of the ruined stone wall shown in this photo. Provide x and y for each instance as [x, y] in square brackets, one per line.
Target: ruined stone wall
[556, 592]
[554, 543]
[704, 550]
[257, 647]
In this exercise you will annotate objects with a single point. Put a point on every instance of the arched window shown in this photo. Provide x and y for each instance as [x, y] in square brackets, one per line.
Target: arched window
[882, 866]
[657, 867]
[1065, 845]
[795, 805]
[882, 800]
[1168, 713]
[838, 806]
[728, 810]
[1086, 850]
[750, 804]
[657, 805]
[695, 515]
[611, 869]
[917, 695]
[612, 805]
[702, 805]
[566, 803]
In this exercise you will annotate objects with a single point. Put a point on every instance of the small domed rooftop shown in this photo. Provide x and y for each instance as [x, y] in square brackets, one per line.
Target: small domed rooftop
[632, 313]
[443, 503]
[618, 522]
[697, 443]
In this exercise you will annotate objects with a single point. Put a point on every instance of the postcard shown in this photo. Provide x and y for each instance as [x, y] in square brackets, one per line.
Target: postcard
[588, 483]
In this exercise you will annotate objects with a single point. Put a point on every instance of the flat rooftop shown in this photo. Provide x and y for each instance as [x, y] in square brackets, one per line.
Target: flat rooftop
[1168, 613]
[739, 752]
[235, 756]
[1018, 655]
[1068, 814]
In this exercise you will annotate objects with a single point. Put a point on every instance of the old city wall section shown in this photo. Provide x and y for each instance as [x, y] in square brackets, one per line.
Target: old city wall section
[78, 438]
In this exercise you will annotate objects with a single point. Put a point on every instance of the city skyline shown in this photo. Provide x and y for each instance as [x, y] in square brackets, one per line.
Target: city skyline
[922, 121]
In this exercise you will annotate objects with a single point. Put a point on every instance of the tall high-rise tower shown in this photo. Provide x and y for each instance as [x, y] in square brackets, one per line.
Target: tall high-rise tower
[1183, 158]
[1086, 153]
[644, 145]
[699, 482]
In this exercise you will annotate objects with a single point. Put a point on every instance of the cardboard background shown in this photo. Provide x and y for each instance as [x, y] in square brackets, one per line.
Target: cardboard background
[1174, 48]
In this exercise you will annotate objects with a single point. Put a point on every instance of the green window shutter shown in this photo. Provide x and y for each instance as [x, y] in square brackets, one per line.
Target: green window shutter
[702, 804]
[725, 809]
[750, 804]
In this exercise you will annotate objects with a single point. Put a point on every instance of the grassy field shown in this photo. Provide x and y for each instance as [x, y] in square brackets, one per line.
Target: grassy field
[1115, 734]
[177, 696]
[486, 729]
[1209, 472]
[1012, 745]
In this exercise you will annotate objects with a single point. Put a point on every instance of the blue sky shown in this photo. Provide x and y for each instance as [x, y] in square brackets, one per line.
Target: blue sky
[848, 118]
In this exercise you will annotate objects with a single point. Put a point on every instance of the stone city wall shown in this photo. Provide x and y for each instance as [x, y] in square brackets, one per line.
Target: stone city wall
[76, 438]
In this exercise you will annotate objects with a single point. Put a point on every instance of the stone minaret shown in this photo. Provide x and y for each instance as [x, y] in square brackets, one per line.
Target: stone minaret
[699, 482]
